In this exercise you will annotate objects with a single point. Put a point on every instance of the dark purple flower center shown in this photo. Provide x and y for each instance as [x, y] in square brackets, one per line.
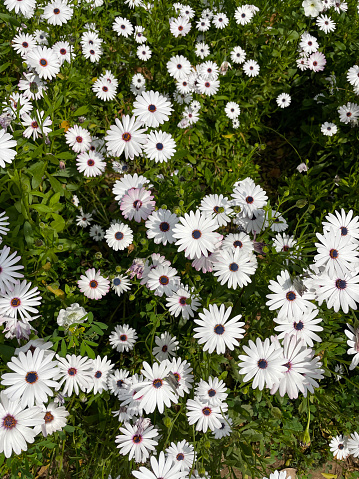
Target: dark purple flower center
[291, 296]
[298, 326]
[31, 377]
[262, 364]
[48, 417]
[157, 383]
[164, 280]
[219, 329]
[196, 234]
[164, 226]
[341, 284]
[119, 235]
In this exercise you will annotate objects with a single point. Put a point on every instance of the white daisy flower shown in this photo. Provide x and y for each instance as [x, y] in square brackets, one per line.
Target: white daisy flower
[126, 136]
[152, 109]
[220, 20]
[84, 219]
[25, 7]
[325, 24]
[348, 113]
[216, 332]
[304, 327]
[93, 285]
[316, 62]
[232, 110]
[55, 418]
[8, 269]
[97, 233]
[23, 43]
[160, 146]
[116, 382]
[203, 415]
[162, 469]
[183, 373]
[213, 392]
[100, 371]
[166, 346]
[238, 55]
[123, 338]
[217, 207]
[353, 444]
[283, 100]
[163, 280]
[78, 139]
[160, 226]
[45, 62]
[250, 197]
[122, 186]
[92, 52]
[57, 12]
[20, 300]
[201, 50]
[329, 129]
[208, 87]
[75, 373]
[179, 67]
[137, 204]
[180, 26]
[104, 90]
[352, 75]
[238, 242]
[353, 343]
[144, 52]
[339, 292]
[119, 236]
[308, 43]
[122, 26]
[243, 15]
[90, 164]
[182, 454]
[225, 429]
[339, 447]
[182, 302]
[137, 441]
[120, 284]
[64, 51]
[17, 104]
[345, 223]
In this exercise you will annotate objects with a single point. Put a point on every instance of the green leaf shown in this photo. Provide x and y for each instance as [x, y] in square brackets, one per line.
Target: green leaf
[28, 233]
[59, 223]
[63, 348]
[4, 67]
[81, 111]
[42, 208]
[6, 352]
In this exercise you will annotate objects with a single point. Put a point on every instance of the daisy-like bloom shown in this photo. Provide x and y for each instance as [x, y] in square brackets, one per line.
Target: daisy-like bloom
[191, 116]
[225, 429]
[104, 90]
[316, 62]
[16, 425]
[97, 233]
[36, 124]
[232, 110]
[32, 86]
[3, 222]
[348, 113]
[163, 280]
[208, 87]
[151, 263]
[284, 243]
[278, 223]
[100, 370]
[160, 146]
[203, 415]
[23, 43]
[343, 222]
[243, 15]
[182, 454]
[278, 475]
[152, 109]
[325, 24]
[90, 164]
[123, 338]
[33, 377]
[179, 67]
[238, 242]
[25, 7]
[166, 346]
[122, 186]
[182, 302]
[161, 469]
[283, 100]
[340, 6]
[45, 62]
[137, 204]
[339, 292]
[201, 50]
[263, 362]
[71, 315]
[78, 138]
[234, 268]
[75, 372]
[220, 20]
[312, 8]
[286, 298]
[303, 326]
[160, 226]
[20, 301]
[216, 332]
[84, 219]
[352, 75]
[196, 234]
[339, 447]
[253, 223]
[35, 344]
[212, 392]
[17, 104]
[308, 43]
[337, 253]
[180, 26]
[90, 39]
[139, 35]
[251, 68]
[203, 24]
[117, 382]
[182, 375]
[250, 197]
[137, 440]
[353, 343]
[144, 52]
[119, 236]
[127, 398]
[216, 207]
[122, 26]
[353, 444]
[138, 80]
[329, 129]
[8, 269]
[296, 360]
[57, 12]
[55, 419]
[120, 284]
[154, 390]
[64, 51]
[238, 55]
[93, 285]
[92, 52]
[126, 136]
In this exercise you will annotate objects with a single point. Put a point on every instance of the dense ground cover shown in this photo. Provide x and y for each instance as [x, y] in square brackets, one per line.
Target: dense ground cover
[166, 176]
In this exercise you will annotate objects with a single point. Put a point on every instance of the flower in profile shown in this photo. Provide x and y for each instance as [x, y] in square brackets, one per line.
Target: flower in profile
[93, 285]
[216, 332]
[353, 342]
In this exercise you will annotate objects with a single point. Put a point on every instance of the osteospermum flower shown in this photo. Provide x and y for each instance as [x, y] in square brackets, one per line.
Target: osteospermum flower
[329, 129]
[251, 68]
[23, 43]
[325, 23]
[343, 222]
[216, 332]
[122, 26]
[196, 234]
[144, 52]
[208, 87]
[90, 164]
[161, 469]
[78, 138]
[250, 197]
[212, 391]
[163, 280]
[119, 236]
[120, 284]
[181, 373]
[152, 108]
[93, 285]
[104, 90]
[182, 302]
[316, 61]
[32, 378]
[304, 327]
[137, 204]
[238, 242]
[353, 75]
[45, 62]
[353, 343]
[339, 447]
[234, 267]
[20, 300]
[57, 12]
[238, 55]
[180, 26]
[25, 7]
[217, 207]
[182, 454]
[160, 226]
[64, 51]
[8, 269]
[122, 186]
[100, 371]
[126, 136]
[55, 419]
[243, 15]
[353, 444]
[203, 415]
[16, 425]
[286, 298]
[160, 146]
[283, 100]
[166, 346]
[123, 338]
[75, 373]
[7, 153]
[339, 292]
[154, 390]
[137, 440]
[263, 362]
[179, 67]
[232, 110]
[348, 113]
